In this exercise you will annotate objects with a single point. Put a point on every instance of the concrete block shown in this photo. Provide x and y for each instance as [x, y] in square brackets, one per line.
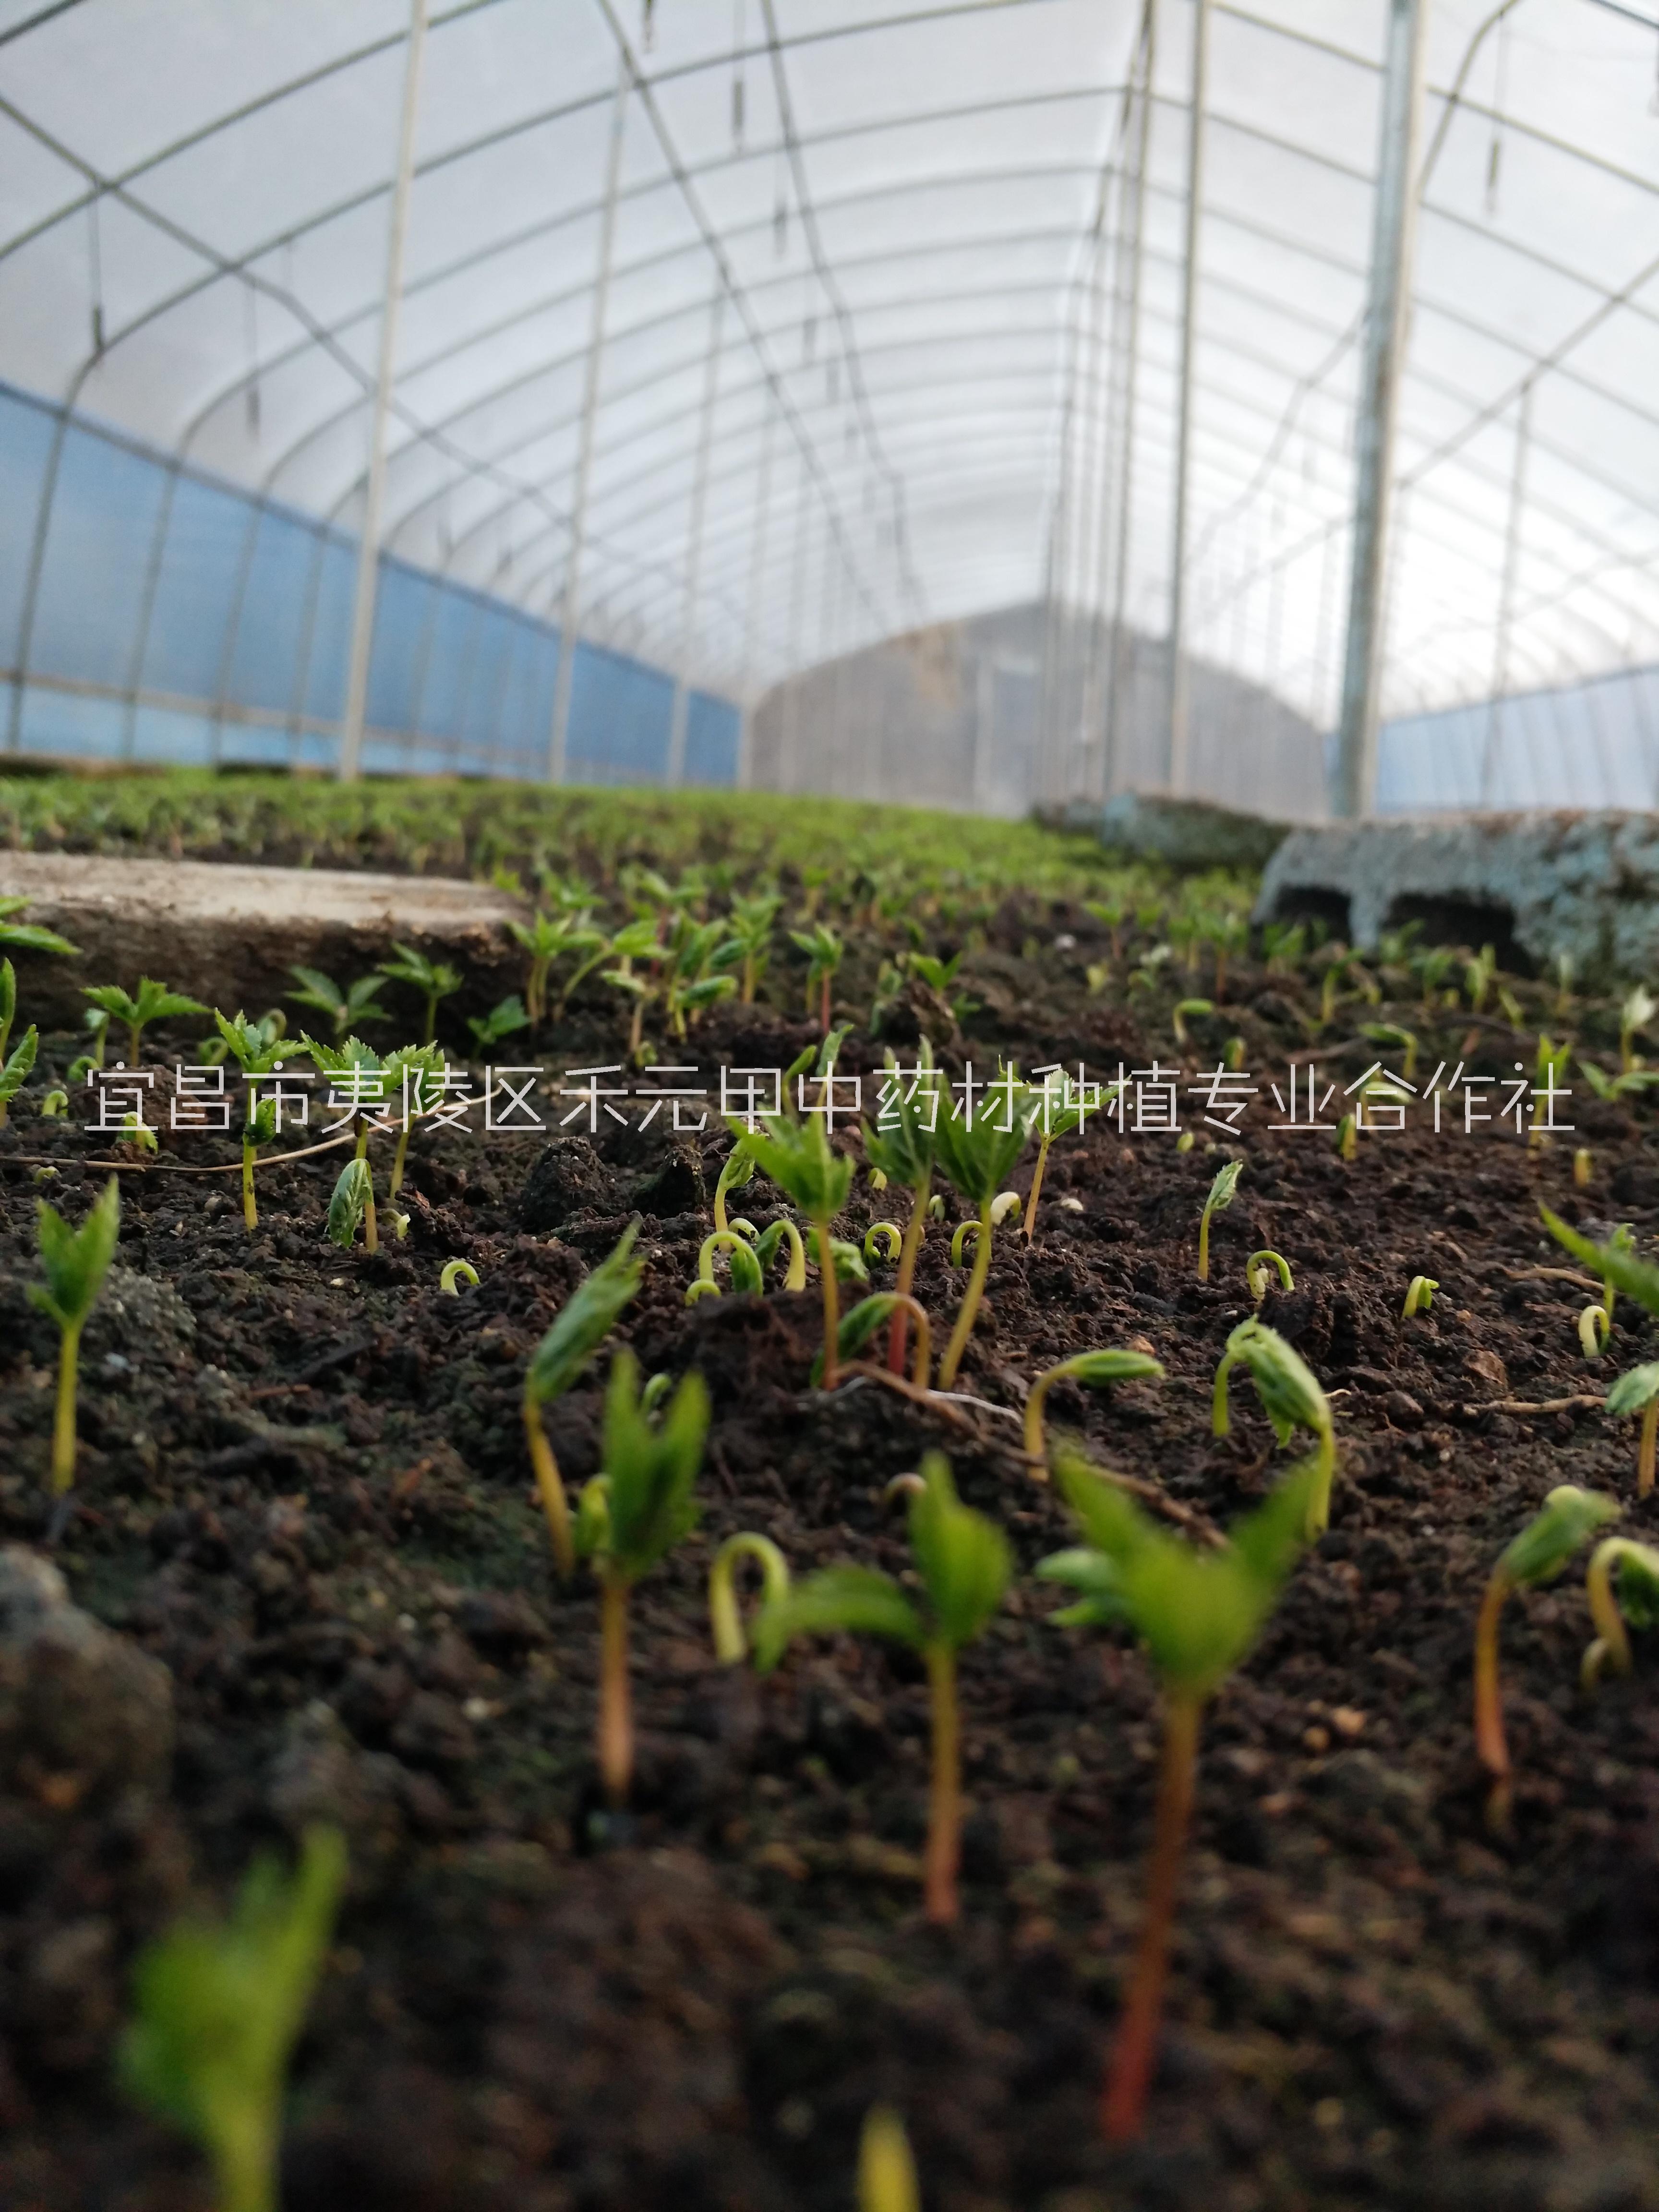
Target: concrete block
[1188, 833]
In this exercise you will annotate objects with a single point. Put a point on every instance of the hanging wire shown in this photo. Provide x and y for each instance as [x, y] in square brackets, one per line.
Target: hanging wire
[1495, 153]
[780, 207]
[250, 298]
[648, 24]
[736, 73]
[95, 267]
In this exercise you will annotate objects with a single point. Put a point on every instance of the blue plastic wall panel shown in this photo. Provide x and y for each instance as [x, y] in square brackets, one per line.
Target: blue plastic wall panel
[176, 618]
[1588, 745]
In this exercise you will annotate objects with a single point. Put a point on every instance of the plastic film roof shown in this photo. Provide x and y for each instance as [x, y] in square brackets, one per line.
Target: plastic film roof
[881, 256]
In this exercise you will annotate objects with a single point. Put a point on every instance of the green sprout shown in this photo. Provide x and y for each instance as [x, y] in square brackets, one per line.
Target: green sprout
[964, 1565]
[1347, 1138]
[978, 1161]
[887, 2172]
[548, 939]
[783, 1232]
[97, 1022]
[631, 1516]
[1198, 1614]
[882, 1240]
[505, 1019]
[76, 1263]
[220, 2010]
[694, 978]
[360, 1002]
[155, 1003]
[54, 1105]
[825, 953]
[1057, 1119]
[1099, 1370]
[724, 1620]
[29, 936]
[904, 1155]
[365, 1075]
[859, 1323]
[578, 1330]
[350, 1206]
[1390, 1033]
[15, 1064]
[1635, 1569]
[1637, 1392]
[798, 1159]
[456, 1271]
[433, 979]
[847, 1258]
[1178, 1018]
[750, 923]
[1419, 1297]
[1222, 1192]
[747, 1273]
[1582, 1167]
[1569, 1517]
[738, 1170]
[635, 941]
[1616, 1263]
[256, 1052]
[1291, 1398]
[1634, 1015]
[1258, 1273]
[1612, 1087]
[1480, 974]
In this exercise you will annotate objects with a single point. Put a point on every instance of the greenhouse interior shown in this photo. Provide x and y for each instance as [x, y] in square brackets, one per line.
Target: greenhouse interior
[828, 1166]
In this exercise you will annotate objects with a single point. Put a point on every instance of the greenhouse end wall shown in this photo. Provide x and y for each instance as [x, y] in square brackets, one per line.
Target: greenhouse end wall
[151, 612]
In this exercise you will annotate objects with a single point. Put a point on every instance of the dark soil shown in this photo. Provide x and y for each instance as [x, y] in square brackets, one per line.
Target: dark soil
[303, 1487]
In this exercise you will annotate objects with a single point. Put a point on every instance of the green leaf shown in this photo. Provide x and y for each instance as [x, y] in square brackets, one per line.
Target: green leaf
[219, 2010]
[964, 1557]
[1290, 1392]
[1101, 1369]
[1636, 1578]
[1197, 1612]
[347, 1207]
[837, 1600]
[1634, 1391]
[848, 1258]
[110, 999]
[797, 1158]
[1567, 1517]
[504, 1019]
[979, 1161]
[1094, 1576]
[8, 997]
[584, 1322]
[904, 1153]
[19, 1060]
[857, 1325]
[651, 1468]
[29, 937]
[156, 1003]
[1615, 1265]
[1226, 1185]
[76, 1261]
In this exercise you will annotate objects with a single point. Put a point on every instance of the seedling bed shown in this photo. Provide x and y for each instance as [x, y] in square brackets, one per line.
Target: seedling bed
[303, 1487]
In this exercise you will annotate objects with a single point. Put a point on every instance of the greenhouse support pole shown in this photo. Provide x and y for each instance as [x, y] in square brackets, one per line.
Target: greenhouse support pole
[1500, 659]
[679, 722]
[757, 584]
[1115, 676]
[1180, 701]
[570, 614]
[349, 765]
[1388, 316]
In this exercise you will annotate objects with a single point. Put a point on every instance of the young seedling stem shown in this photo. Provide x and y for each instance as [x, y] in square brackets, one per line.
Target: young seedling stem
[577, 1332]
[76, 1263]
[1569, 1516]
[1292, 1398]
[1222, 1192]
[1636, 1568]
[455, 1273]
[1637, 1392]
[1098, 1370]
[1258, 1271]
[725, 1619]
[1419, 1297]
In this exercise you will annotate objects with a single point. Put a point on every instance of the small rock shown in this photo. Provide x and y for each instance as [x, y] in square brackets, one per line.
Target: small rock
[75, 1699]
[1403, 1410]
[567, 1178]
[1487, 1368]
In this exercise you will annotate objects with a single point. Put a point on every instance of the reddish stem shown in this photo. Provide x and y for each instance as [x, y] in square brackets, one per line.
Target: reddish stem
[1123, 2109]
[945, 1794]
[911, 1245]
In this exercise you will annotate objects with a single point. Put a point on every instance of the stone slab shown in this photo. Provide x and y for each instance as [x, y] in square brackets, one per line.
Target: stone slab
[1187, 833]
[1583, 883]
[228, 935]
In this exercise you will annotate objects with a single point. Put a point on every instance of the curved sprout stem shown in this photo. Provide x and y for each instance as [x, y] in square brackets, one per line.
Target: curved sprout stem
[915, 1229]
[724, 1620]
[1256, 1270]
[1419, 1297]
[555, 1505]
[1594, 1330]
[1611, 1649]
[963, 1232]
[880, 1233]
[784, 1230]
[454, 1272]
[968, 1310]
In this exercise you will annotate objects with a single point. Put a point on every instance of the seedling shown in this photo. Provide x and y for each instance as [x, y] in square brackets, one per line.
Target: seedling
[859, 1323]
[635, 941]
[1347, 1138]
[1390, 1033]
[746, 1269]
[1178, 1018]
[1099, 1369]
[1291, 1398]
[75, 1262]
[505, 1019]
[97, 1023]
[847, 1258]
[433, 979]
[29, 936]
[220, 2010]
[964, 1564]
[904, 1154]
[1569, 1518]
[1419, 1297]
[363, 1079]
[1480, 974]
[351, 1207]
[1221, 1195]
[155, 1003]
[1057, 1119]
[797, 1156]
[978, 1160]
[255, 1052]
[752, 923]
[825, 953]
[578, 1330]
[882, 1241]
[740, 1170]
[1198, 1614]
[1619, 1270]
[632, 1515]
[15, 1069]
[1635, 1569]
[550, 938]
[1638, 1011]
[887, 2172]
[1258, 1273]
[1605, 1086]
[784, 1231]
[348, 1010]
[1583, 1167]
[1637, 1392]
[724, 1620]
[456, 1271]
